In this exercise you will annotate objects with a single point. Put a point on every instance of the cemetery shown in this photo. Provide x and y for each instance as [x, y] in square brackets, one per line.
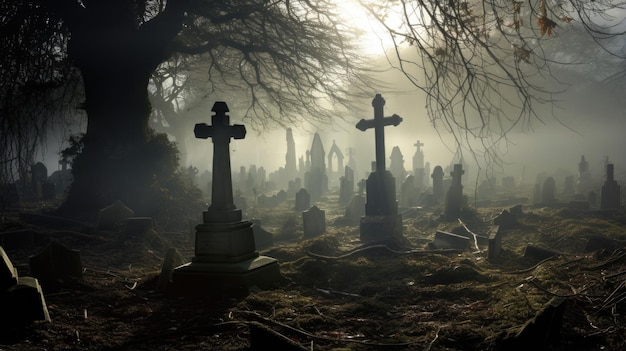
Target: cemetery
[312, 175]
[306, 269]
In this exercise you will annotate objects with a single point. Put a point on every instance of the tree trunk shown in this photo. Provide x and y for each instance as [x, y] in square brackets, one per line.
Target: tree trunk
[122, 158]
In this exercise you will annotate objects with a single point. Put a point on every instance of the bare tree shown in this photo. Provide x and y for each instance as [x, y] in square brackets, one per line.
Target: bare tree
[281, 53]
[485, 66]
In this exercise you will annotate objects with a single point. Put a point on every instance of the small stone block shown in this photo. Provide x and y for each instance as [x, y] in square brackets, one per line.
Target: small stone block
[8, 273]
[495, 242]
[262, 238]
[446, 240]
[539, 253]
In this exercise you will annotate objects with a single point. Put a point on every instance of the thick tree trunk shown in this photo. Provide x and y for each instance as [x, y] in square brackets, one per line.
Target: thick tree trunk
[122, 157]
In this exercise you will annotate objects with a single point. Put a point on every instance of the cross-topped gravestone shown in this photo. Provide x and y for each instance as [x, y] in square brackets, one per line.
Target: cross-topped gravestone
[381, 218]
[226, 261]
[222, 207]
[378, 123]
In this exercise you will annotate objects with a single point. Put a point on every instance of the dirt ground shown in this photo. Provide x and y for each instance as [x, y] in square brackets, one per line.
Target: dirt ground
[337, 294]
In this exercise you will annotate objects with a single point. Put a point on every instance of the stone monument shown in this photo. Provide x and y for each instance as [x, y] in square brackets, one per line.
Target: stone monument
[226, 261]
[381, 220]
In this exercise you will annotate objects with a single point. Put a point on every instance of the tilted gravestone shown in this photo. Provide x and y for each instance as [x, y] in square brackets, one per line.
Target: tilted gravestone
[382, 220]
[313, 222]
[437, 177]
[226, 261]
[21, 299]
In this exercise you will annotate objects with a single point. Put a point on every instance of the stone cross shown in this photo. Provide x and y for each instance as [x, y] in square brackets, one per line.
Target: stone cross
[222, 187]
[418, 145]
[378, 123]
[456, 174]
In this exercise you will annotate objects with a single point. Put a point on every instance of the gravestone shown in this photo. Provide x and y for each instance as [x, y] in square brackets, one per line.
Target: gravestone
[610, 194]
[447, 240]
[226, 261]
[418, 158]
[454, 196]
[262, 238]
[408, 192]
[313, 222]
[56, 265]
[495, 242]
[346, 186]
[8, 273]
[21, 299]
[547, 191]
[355, 210]
[303, 200]
[113, 215]
[437, 177]
[381, 220]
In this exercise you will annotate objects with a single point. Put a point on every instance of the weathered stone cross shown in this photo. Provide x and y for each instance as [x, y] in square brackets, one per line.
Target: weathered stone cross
[418, 145]
[378, 123]
[222, 204]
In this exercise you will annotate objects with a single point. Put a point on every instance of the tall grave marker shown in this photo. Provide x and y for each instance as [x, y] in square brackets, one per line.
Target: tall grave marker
[226, 261]
[381, 218]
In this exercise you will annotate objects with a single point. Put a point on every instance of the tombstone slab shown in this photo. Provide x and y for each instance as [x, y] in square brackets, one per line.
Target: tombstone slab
[313, 222]
[446, 240]
[226, 262]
